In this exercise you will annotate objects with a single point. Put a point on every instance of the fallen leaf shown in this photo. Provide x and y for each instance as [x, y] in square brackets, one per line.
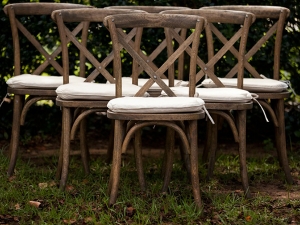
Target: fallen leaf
[35, 204]
[61, 201]
[52, 183]
[70, 188]
[17, 206]
[130, 211]
[70, 221]
[88, 220]
[248, 218]
[12, 178]
[43, 185]
[216, 218]
[238, 191]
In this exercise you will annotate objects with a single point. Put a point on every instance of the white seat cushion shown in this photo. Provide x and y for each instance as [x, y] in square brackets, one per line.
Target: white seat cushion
[155, 86]
[156, 104]
[215, 94]
[251, 84]
[37, 81]
[94, 91]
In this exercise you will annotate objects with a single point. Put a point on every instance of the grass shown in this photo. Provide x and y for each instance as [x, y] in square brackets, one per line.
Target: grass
[85, 200]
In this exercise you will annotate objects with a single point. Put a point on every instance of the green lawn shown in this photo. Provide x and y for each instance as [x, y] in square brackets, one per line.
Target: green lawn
[85, 200]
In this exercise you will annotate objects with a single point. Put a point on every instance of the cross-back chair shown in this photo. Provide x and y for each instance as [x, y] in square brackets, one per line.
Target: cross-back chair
[136, 71]
[271, 92]
[90, 96]
[222, 101]
[165, 111]
[35, 81]
[155, 89]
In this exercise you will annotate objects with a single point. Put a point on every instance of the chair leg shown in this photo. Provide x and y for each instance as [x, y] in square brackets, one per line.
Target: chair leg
[194, 162]
[241, 125]
[168, 158]
[66, 129]
[185, 157]
[139, 159]
[207, 144]
[110, 146]
[15, 134]
[114, 179]
[84, 150]
[213, 144]
[281, 140]
[60, 157]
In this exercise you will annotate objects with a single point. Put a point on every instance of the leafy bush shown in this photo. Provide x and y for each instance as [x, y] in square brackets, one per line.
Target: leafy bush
[289, 58]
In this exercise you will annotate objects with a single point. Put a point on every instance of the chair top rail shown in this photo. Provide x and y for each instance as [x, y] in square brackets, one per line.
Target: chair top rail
[260, 11]
[155, 20]
[149, 9]
[40, 8]
[89, 14]
[224, 16]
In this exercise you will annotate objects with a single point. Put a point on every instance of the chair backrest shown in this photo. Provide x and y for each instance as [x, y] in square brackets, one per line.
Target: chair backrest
[25, 18]
[116, 25]
[84, 18]
[136, 70]
[238, 35]
[275, 17]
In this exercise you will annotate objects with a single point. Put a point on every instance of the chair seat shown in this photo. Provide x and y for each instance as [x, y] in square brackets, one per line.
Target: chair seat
[216, 94]
[94, 91]
[155, 86]
[37, 81]
[251, 84]
[156, 105]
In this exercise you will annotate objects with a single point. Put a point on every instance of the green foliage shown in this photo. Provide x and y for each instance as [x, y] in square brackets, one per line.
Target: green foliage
[289, 54]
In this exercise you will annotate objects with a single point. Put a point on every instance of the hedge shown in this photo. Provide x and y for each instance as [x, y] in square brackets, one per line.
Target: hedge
[50, 115]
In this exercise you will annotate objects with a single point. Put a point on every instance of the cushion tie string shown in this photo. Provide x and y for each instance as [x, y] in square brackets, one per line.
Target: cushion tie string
[287, 82]
[6, 99]
[208, 115]
[182, 83]
[205, 110]
[254, 97]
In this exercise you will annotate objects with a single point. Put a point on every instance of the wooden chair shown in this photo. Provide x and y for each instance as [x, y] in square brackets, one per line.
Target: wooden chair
[29, 81]
[166, 111]
[271, 92]
[90, 96]
[136, 76]
[136, 69]
[222, 101]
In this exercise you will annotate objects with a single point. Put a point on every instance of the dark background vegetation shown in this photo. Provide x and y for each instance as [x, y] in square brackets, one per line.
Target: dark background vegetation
[258, 129]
